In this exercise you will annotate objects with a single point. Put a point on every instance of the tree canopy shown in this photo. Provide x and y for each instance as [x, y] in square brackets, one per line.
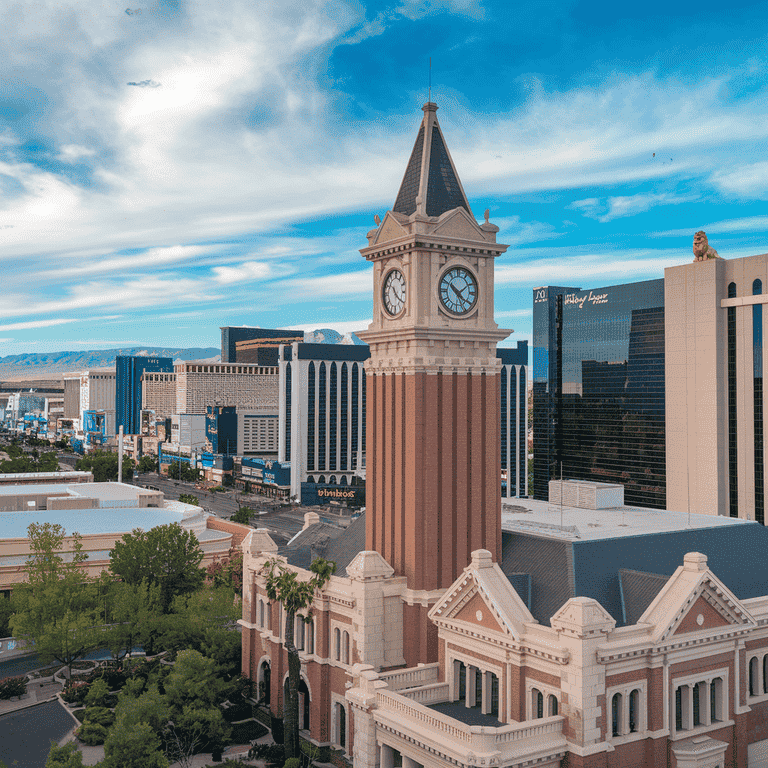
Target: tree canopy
[103, 465]
[57, 606]
[166, 555]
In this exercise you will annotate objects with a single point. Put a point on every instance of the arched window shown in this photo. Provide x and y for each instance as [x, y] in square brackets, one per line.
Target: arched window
[261, 613]
[731, 290]
[337, 643]
[757, 287]
[268, 612]
[299, 633]
[753, 676]
[634, 710]
[716, 699]
[332, 480]
[765, 673]
[310, 479]
[310, 629]
[537, 703]
[321, 480]
[264, 681]
[552, 704]
[616, 714]
[345, 648]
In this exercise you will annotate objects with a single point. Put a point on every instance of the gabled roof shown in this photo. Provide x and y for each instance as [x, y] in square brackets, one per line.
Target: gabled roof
[694, 599]
[431, 184]
[483, 596]
[327, 541]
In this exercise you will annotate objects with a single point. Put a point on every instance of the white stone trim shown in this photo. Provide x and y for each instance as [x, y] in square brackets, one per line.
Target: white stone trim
[691, 680]
[341, 701]
[625, 735]
[546, 691]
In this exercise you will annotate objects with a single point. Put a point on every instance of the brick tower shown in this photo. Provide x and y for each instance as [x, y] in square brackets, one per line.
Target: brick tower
[433, 489]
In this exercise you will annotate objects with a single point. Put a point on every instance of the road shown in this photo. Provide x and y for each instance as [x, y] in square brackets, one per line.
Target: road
[283, 521]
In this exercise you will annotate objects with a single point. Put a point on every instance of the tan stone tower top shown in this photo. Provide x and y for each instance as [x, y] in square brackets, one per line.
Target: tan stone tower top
[433, 486]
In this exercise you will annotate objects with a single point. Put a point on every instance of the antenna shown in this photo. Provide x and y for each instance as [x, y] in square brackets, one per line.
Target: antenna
[429, 98]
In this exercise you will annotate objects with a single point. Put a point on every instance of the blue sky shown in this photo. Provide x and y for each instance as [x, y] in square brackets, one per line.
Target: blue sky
[170, 167]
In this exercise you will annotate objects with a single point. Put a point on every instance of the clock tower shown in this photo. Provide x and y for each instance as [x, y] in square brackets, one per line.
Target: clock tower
[433, 486]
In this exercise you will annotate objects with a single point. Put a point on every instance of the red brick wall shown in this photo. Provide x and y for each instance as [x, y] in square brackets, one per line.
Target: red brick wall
[239, 532]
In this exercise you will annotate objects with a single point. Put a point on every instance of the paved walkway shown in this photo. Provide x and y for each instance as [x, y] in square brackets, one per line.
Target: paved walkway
[35, 694]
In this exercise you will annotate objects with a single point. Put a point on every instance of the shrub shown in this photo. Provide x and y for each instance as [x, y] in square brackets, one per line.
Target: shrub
[272, 753]
[114, 677]
[13, 686]
[246, 731]
[97, 694]
[292, 762]
[99, 716]
[75, 693]
[315, 753]
[92, 734]
[240, 711]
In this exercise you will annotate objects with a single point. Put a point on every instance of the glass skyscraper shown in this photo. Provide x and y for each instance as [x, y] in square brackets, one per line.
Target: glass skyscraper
[128, 388]
[598, 388]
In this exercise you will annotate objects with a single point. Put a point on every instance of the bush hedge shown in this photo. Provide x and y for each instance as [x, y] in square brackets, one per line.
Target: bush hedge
[99, 716]
[92, 734]
[13, 686]
[246, 731]
[75, 693]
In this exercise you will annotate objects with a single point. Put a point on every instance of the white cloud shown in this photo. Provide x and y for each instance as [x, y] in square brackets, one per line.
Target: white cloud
[514, 313]
[347, 284]
[745, 181]
[245, 272]
[747, 224]
[37, 324]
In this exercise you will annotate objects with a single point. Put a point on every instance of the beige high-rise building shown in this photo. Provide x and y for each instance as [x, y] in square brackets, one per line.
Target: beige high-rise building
[199, 384]
[158, 393]
[715, 363]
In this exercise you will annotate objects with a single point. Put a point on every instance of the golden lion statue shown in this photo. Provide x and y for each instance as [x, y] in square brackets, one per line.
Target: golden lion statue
[701, 248]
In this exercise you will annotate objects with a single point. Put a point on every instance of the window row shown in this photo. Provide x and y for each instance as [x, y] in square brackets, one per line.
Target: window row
[699, 704]
[303, 631]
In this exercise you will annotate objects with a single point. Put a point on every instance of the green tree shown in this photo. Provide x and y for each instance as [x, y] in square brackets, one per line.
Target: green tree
[193, 728]
[182, 471]
[284, 586]
[148, 463]
[150, 708]
[243, 515]
[57, 606]
[67, 756]
[166, 556]
[104, 466]
[188, 498]
[195, 680]
[6, 611]
[137, 746]
[227, 571]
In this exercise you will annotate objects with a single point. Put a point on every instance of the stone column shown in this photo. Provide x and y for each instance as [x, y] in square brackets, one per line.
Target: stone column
[485, 702]
[387, 757]
[409, 762]
[362, 700]
[469, 687]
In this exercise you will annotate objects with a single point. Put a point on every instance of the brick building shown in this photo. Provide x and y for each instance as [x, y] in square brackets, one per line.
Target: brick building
[574, 632]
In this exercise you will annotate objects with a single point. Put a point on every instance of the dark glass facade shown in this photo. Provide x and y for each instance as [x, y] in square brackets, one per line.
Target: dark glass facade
[598, 388]
[128, 390]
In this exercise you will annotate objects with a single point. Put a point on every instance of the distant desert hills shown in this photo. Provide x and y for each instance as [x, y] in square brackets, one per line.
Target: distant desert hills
[52, 364]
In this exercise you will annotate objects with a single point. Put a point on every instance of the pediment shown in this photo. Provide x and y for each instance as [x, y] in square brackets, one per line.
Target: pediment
[390, 229]
[482, 596]
[460, 225]
[694, 600]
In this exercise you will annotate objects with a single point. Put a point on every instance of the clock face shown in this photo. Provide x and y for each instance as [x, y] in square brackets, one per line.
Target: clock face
[458, 290]
[393, 292]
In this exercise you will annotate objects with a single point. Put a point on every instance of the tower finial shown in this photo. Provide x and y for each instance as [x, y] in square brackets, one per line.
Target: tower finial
[429, 98]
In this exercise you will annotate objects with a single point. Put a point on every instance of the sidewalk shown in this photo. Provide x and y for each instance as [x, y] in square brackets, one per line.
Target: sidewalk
[36, 692]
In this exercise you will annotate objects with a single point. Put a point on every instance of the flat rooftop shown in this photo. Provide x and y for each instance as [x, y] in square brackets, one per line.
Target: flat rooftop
[13, 525]
[546, 519]
[103, 491]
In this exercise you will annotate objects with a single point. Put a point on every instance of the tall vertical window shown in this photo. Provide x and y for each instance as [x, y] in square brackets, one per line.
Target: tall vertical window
[322, 416]
[288, 412]
[344, 418]
[520, 407]
[733, 476]
[333, 417]
[355, 413]
[311, 417]
[757, 363]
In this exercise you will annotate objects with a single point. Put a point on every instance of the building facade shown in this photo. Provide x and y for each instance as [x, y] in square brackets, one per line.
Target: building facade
[715, 440]
[599, 388]
[230, 336]
[200, 384]
[513, 419]
[128, 389]
[158, 394]
[322, 413]
[93, 390]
